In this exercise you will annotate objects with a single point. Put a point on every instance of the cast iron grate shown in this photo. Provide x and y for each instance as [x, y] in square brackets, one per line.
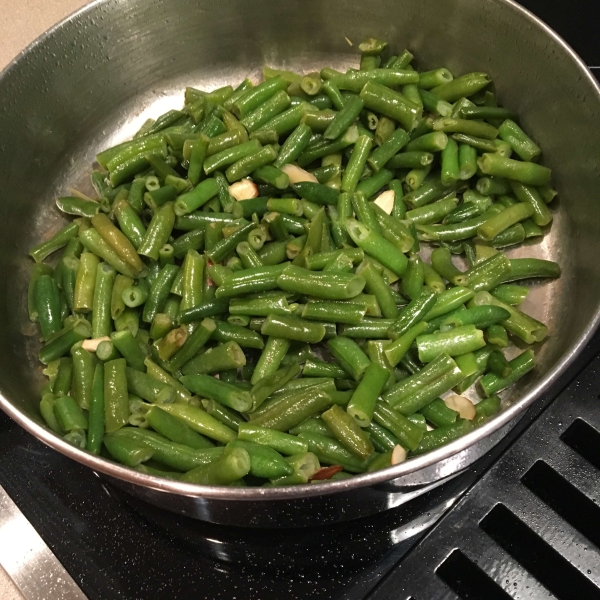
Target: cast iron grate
[530, 528]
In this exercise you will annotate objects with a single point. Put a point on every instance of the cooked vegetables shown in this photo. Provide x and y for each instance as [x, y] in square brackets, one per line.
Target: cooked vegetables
[247, 299]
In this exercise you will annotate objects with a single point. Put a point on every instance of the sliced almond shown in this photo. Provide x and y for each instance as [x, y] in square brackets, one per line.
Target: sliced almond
[398, 454]
[243, 190]
[297, 175]
[92, 345]
[385, 201]
[463, 406]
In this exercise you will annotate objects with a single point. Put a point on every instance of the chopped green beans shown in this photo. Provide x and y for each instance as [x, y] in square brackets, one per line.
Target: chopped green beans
[389, 191]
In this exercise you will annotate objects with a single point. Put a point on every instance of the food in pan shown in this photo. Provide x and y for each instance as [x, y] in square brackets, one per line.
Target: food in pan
[296, 280]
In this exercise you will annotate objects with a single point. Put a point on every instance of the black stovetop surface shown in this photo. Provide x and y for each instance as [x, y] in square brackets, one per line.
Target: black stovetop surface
[115, 546]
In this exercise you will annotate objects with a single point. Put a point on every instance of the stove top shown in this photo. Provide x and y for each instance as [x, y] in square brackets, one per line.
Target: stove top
[473, 537]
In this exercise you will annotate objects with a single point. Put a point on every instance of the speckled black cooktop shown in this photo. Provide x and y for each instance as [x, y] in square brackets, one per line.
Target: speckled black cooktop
[115, 546]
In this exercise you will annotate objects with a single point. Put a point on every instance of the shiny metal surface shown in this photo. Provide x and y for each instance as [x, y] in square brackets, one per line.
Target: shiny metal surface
[92, 80]
[28, 561]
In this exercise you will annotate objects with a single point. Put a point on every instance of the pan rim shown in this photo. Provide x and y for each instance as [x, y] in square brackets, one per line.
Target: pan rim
[389, 474]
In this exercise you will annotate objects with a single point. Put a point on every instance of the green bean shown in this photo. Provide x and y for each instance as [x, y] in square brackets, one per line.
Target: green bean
[492, 383]
[257, 279]
[413, 313]
[197, 197]
[313, 425]
[265, 462]
[334, 312]
[135, 296]
[415, 177]
[268, 384]
[147, 387]
[485, 409]
[318, 121]
[229, 468]
[436, 141]
[101, 313]
[129, 222]
[46, 300]
[412, 394]
[410, 160]
[73, 205]
[224, 415]
[529, 268]
[250, 163]
[126, 344]
[463, 86]
[83, 297]
[256, 96]
[486, 274]
[60, 343]
[466, 127]
[529, 196]
[344, 118]
[277, 440]
[479, 316]
[116, 401]
[458, 231]
[377, 246]
[519, 141]
[212, 388]
[498, 365]
[175, 429]
[293, 328]
[524, 172]
[64, 377]
[351, 358]
[432, 213]
[408, 434]
[127, 451]
[439, 414]
[56, 242]
[220, 358]
[347, 431]
[443, 435]
[496, 335]
[158, 232]
[159, 292]
[83, 374]
[388, 149]
[117, 242]
[272, 355]
[364, 398]
[172, 454]
[459, 340]
[391, 104]
[414, 277]
[199, 420]
[370, 186]
[330, 451]
[293, 409]
[225, 246]
[510, 294]
[324, 148]
[69, 415]
[318, 368]
[450, 163]
[523, 326]
[328, 285]
[397, 349]
[96, 412]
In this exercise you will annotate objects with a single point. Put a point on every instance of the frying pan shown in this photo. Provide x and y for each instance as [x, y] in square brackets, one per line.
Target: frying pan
[91, 81]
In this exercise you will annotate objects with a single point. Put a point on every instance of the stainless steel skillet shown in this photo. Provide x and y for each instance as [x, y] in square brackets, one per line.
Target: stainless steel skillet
[92, 80]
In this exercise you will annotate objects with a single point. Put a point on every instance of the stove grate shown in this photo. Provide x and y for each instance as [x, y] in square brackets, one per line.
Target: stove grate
[530, 527]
